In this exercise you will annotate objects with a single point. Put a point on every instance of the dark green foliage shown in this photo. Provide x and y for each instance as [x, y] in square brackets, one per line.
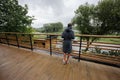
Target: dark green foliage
[84, 15]
[13, 17]
[105, 53]
[101, 19]
[114, 52]
[85, 21]
[97, 50]
[108, 13]
[52, 27]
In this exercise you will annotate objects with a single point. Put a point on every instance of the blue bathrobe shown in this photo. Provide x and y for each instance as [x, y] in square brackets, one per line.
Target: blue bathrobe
[67, 36]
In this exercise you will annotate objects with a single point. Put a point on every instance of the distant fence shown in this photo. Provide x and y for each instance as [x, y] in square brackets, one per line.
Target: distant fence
[98, 51]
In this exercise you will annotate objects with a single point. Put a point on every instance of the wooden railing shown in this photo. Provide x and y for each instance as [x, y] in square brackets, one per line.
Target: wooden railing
[53, 43]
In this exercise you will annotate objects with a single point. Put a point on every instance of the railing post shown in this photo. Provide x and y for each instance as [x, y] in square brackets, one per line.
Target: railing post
[50, 45]
[0, 38]
[80, 48]
[30, 36]
[17, 40]
[7, 38]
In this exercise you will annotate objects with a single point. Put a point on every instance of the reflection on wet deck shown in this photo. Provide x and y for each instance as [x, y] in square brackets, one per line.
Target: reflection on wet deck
[20, 64]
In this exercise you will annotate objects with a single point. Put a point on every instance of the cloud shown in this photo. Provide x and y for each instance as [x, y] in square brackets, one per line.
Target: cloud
[47, 11]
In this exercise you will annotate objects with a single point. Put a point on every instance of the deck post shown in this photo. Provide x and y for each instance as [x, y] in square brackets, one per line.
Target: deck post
[0, 38]
[17, 40]
[80, 48]
[30, 36]
[50, 45]
[7, 38]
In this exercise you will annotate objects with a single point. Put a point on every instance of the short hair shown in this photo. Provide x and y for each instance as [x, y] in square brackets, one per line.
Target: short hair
[69, 25]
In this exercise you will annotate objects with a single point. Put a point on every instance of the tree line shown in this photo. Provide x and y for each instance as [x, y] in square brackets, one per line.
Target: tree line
[52, 27]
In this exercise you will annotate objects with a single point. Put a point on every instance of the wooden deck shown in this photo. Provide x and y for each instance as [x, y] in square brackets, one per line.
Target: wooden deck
[20, 64]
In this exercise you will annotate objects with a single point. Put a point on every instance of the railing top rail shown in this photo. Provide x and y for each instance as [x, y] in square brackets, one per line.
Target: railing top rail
[78, 35]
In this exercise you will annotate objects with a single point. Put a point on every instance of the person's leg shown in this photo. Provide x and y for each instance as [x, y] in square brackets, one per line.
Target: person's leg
[64, 58]
[68, 57]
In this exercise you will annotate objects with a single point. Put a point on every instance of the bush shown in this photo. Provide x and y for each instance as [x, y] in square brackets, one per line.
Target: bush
[114, 52]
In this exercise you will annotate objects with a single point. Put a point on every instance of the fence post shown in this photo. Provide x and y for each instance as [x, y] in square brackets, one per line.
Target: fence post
[17, 40]
[7, 38]
[80, 48]
[31, 42]
[0, 38]
[50, 45]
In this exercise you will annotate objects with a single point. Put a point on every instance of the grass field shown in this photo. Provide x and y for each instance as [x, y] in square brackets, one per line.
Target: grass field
[106, 40]
[109, 40]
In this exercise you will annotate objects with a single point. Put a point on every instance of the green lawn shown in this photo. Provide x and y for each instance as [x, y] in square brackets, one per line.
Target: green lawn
[39, 36]
[109, 40]
[106, 40]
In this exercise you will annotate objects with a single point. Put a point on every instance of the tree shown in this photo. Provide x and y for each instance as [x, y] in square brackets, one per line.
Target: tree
[13, 17]
[52, 27]
[108, 12]
[101, 19]
[86, 21]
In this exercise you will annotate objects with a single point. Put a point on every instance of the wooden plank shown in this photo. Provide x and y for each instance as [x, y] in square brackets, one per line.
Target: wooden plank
[19, 64]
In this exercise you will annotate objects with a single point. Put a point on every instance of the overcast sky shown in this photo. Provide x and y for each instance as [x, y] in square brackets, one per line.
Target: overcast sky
[48, 11]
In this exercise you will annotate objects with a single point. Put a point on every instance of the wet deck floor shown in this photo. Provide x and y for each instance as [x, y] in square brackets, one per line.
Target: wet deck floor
[21, 64]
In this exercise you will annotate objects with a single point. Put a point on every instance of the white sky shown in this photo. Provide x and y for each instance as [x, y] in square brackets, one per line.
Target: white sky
[48, 11]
